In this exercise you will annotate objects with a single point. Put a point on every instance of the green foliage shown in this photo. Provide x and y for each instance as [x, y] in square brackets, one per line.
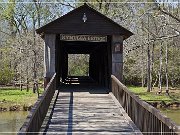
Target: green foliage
[6, 72]
[6, 75]
[152, 96]
[78, 65]
[131, 75]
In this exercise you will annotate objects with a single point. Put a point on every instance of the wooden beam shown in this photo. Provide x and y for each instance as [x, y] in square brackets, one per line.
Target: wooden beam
[49, 57]
[117, 56]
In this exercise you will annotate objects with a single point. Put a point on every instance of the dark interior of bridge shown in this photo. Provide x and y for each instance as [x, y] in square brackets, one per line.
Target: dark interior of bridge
[99, 62]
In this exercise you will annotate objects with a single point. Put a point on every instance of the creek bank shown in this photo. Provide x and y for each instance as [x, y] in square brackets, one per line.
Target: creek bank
[162, 104]
[16, 108]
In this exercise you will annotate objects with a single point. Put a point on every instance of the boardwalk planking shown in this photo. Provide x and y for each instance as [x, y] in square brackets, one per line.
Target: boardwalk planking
[85, 113]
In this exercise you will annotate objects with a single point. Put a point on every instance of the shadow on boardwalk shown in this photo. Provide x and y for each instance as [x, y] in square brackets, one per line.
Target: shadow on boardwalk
[86, 113]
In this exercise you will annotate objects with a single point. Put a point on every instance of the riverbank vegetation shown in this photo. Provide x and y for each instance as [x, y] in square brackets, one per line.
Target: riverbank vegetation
[13, 99]
[168, 105]
[158, 100]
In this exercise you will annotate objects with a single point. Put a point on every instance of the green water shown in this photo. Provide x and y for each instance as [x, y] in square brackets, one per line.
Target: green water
[174, 114]
[10, 122]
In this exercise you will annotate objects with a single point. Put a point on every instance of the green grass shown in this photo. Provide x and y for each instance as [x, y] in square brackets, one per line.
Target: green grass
[153, 96]
[13, 96]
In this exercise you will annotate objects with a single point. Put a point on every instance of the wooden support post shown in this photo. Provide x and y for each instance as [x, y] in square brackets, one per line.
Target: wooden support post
[49, 57]
[117, 56]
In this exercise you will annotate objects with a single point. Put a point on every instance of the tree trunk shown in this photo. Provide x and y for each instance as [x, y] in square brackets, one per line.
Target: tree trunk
[148, 70]
[160, 70]
[37, 5]
[148, 63]
[21, 69]
[173, 68]
[156, 80]
[166, 71]
[142, 73]
[35, 59]
[152, 64]
[27, 79]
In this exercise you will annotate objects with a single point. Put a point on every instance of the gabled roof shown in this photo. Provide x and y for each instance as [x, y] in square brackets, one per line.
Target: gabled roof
[72, 23]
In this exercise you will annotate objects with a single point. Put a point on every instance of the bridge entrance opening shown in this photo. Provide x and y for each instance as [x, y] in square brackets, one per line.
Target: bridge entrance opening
[83, 63]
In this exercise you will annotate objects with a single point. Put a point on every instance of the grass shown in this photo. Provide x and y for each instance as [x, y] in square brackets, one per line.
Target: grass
[13, 96]
[153, 96]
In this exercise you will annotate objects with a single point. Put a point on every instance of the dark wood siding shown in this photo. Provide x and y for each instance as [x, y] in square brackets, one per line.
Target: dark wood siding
[96, 23]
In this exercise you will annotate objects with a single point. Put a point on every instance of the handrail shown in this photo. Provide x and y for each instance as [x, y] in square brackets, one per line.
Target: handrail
[37, 114]
[146, 117]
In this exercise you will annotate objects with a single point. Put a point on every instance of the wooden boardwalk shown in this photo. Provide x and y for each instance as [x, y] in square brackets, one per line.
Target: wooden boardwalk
[85, 113]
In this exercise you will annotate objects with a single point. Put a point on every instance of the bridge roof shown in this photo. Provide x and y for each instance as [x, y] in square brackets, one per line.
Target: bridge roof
[96, 24]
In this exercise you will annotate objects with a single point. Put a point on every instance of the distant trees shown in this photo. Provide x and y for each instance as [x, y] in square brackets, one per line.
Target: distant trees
[21, 50]
[157, 37]
[151, 55]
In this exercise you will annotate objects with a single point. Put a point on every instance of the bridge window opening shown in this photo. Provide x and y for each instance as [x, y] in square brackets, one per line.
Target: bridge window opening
[78, 69]
[78, 65]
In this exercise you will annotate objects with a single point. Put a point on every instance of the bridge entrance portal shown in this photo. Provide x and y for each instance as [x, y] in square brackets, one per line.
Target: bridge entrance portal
[99, 63]
[84, 31]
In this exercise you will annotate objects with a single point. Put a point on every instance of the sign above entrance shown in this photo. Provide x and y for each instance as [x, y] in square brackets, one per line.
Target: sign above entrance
[87, 38]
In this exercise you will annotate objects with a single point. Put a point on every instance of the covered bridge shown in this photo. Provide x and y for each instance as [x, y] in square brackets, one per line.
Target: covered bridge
[84, 31]
[63, 110]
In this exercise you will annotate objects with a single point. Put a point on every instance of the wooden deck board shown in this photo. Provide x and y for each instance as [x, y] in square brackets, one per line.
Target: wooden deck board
[85, 113]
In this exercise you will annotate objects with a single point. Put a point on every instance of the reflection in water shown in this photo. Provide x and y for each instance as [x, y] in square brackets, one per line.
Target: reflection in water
[11, 121]
[173, 114]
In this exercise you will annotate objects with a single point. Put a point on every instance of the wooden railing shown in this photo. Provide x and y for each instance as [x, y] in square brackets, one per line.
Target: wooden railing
[37, 114]
[147, 118]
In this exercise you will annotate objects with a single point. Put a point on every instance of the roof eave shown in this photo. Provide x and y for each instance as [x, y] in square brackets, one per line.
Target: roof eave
[127, 33]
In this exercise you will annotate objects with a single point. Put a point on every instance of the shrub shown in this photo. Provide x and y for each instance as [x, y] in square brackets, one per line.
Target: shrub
[6, 75]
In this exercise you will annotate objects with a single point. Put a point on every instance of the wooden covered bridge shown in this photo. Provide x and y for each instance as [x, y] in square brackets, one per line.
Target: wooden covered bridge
[95, 104]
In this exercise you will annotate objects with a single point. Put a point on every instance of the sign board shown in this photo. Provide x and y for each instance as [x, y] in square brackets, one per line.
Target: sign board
[117, 47]
[87, 38]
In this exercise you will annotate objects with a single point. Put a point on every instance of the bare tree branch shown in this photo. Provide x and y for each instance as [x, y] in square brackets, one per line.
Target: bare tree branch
[68, 5]
[169, 14]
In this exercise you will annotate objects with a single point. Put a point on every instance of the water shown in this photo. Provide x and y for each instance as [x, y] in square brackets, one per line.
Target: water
[11, 121]
[173, 114]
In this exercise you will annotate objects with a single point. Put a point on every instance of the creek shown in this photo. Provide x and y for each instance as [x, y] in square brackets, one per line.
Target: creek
[173, 114]
[11, 121]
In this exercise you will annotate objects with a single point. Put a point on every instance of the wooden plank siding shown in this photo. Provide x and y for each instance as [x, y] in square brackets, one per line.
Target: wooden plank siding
[117, 56]
[49, 57]
[96, 23]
